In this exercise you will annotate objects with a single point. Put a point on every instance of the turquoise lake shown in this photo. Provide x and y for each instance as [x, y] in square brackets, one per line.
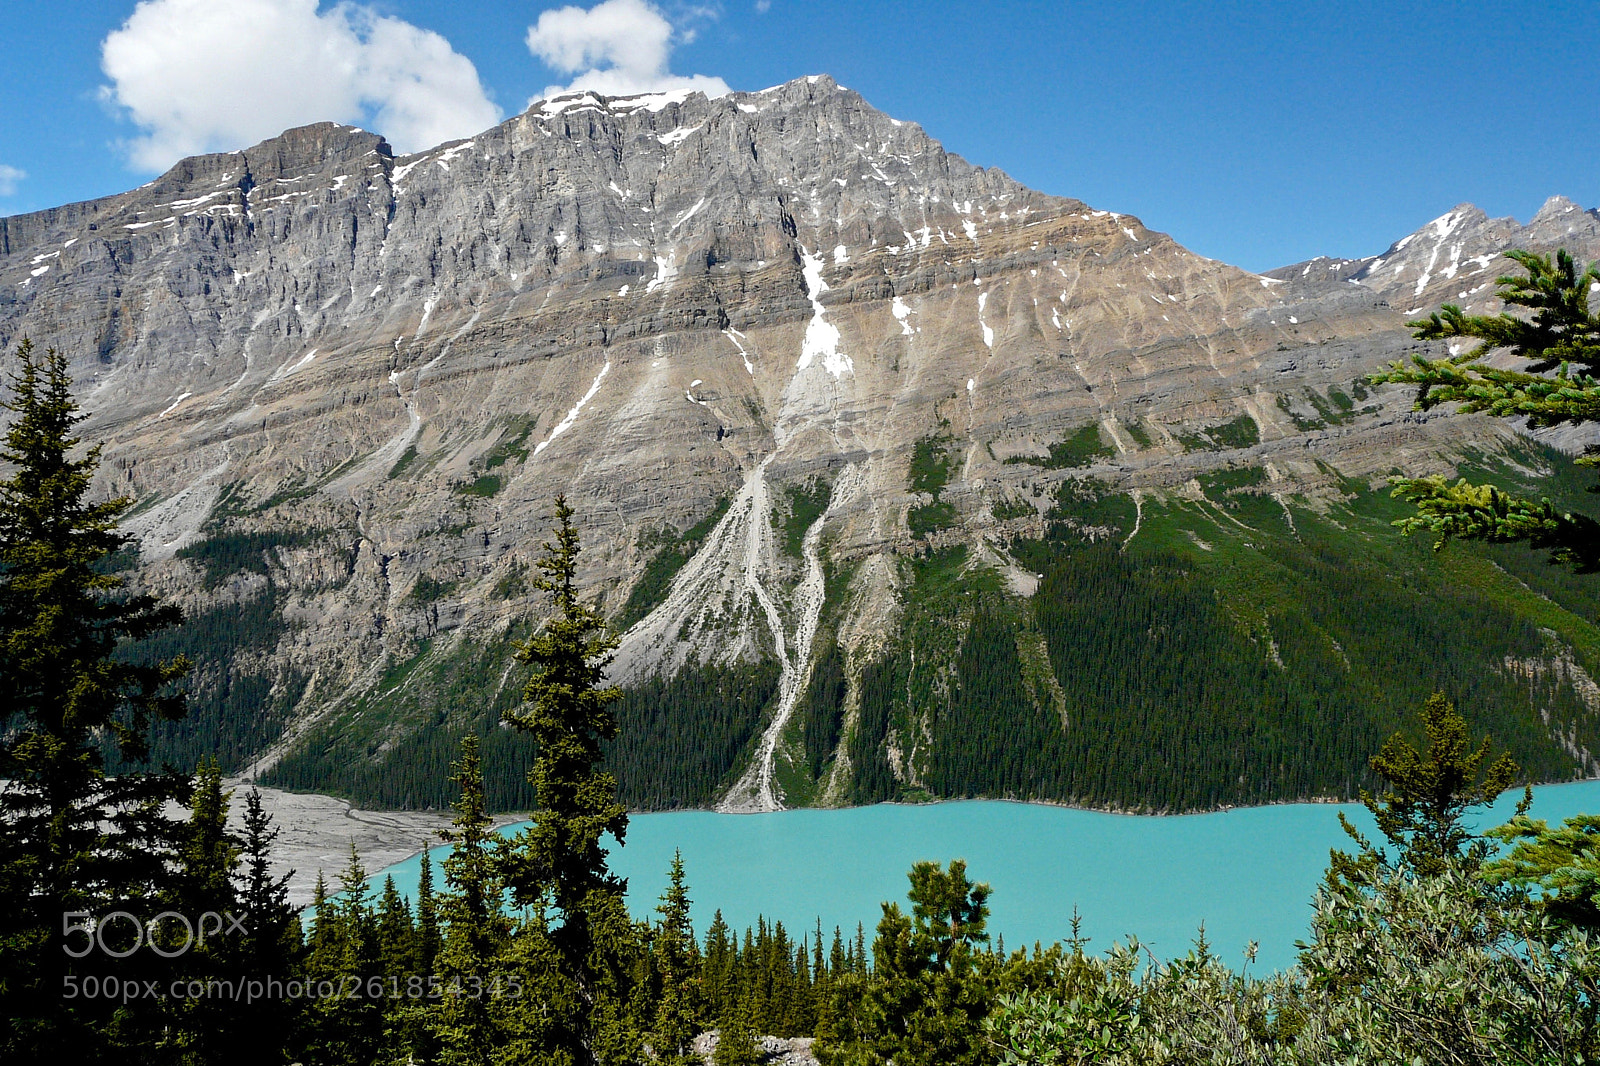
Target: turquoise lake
[1246, 874]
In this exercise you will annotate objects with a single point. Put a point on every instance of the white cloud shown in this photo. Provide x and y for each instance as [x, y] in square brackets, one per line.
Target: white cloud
[9, 176]
[617, 47]
[215, 75]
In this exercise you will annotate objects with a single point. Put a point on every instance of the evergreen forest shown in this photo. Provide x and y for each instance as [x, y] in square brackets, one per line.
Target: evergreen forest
[1248, 647]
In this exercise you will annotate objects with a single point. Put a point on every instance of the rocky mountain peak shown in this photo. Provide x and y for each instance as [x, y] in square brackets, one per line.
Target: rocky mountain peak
[1454, 258]
[770, 345]
[306, 153]
[314, 149]
[1562, 222]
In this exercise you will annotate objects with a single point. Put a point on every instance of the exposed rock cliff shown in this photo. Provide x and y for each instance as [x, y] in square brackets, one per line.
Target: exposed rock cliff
[382, 369]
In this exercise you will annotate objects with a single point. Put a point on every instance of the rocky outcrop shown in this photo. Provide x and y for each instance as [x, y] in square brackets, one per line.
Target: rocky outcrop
[775, 1050]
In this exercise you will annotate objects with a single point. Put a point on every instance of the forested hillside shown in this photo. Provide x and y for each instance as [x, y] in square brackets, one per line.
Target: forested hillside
[1244, 645]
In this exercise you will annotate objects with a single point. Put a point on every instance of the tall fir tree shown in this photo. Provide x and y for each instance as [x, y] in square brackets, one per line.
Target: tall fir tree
[73, 839]
[397, 934]
[677, 1013]
[203, 1029]
[475, 924]
[557, 866]
[428, 937]
[271, 941]
[716, 967]
[343, 1029]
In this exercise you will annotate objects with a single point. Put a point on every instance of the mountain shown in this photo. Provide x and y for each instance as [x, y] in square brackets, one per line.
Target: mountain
[904, 480]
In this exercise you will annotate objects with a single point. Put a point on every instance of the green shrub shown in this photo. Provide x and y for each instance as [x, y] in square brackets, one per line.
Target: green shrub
[930, 518]
[1006, 510]
[1083, 448]
[484, 486]
[930, 466]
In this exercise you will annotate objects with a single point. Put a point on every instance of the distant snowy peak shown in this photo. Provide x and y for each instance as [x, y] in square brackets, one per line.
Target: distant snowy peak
[1456, 257]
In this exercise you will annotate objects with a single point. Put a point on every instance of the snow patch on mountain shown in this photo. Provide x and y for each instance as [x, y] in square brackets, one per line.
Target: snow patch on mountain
[822, 337]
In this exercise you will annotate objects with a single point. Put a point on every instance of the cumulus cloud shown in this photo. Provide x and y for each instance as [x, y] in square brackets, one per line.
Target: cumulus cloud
[9, 176]
[617, 48]
[214, 75]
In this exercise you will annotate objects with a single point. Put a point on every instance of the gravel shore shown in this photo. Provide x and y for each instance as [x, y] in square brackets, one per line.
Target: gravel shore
[315, 833]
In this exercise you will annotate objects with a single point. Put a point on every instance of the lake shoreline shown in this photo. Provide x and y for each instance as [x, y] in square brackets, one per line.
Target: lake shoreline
[1246, 874]
[324, 826]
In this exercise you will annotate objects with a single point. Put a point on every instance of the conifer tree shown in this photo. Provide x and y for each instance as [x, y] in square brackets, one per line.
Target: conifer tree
[271, 943]
[397, 943]
[716, 967]
[677, 1011]
[344, 952]
[819, 966]
[322, 923]
[428, 938]
[210, 853]
[475, 923]
[203, 1029]
[736, 1036]
[1420, 813]
[1561, 336]
[927, 998]
[73, 840]
[557, 866]
[948, 911]
[803, 1009]
[272, 929]
[838, 958]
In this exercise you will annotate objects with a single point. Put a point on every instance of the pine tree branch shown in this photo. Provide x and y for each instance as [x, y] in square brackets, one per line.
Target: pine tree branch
[1561, 335]
[1544, 400]
[1482, 512]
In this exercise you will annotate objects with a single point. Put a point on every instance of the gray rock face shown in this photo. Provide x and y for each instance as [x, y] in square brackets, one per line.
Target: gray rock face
[653, 304]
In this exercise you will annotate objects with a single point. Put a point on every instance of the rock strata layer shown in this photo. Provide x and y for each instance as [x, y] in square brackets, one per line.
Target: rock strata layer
[385, 368]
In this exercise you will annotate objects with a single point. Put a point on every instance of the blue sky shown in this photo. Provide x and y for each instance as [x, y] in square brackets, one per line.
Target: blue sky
[1256, 133]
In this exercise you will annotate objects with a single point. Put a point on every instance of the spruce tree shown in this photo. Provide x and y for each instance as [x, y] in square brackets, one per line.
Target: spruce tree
[322, 925]
[838, 956]
[737, 1037]
[557, 866]
[203, 1029]
[819, 968]
[271, 926]
[271, 944]
[428, 938]
[1561, 336]
[716, 967]
[1429, 792]
[475, 923]
[397, 935]
[73, 839]
[677, 1013]
[210, 853]
[344, 952]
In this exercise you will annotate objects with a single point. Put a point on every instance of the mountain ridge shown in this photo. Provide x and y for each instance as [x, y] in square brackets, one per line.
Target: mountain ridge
[777, 347]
